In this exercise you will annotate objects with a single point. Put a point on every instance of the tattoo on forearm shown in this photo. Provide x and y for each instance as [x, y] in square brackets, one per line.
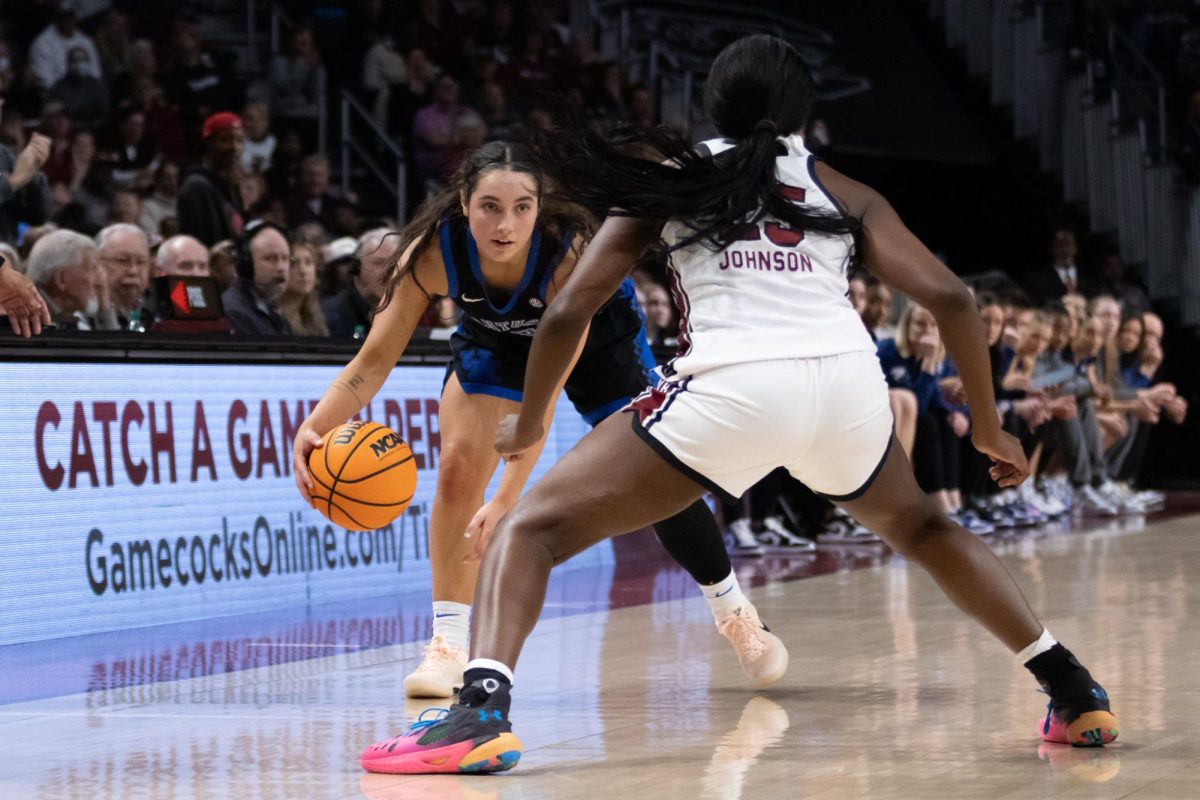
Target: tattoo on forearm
[356, 380]
[349, 388]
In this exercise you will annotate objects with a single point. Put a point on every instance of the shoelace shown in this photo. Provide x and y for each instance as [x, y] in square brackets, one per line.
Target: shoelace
[435, 654]
[742, 631]
[422, 723]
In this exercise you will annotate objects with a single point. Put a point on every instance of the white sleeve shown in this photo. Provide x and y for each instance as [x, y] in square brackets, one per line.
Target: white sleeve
[42, 61]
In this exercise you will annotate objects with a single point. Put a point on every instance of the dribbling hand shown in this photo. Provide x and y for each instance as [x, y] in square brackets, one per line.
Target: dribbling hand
[1009, 467]
[481, 527]
[305, 442]
[512, 440]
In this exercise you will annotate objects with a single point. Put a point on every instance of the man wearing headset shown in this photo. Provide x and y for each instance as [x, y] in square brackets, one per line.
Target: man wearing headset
[253, 302]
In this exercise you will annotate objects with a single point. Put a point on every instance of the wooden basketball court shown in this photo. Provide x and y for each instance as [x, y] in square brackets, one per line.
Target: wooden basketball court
[891, 693]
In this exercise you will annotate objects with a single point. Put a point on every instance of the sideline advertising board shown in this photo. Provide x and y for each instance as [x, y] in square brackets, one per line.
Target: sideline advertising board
[142, 494]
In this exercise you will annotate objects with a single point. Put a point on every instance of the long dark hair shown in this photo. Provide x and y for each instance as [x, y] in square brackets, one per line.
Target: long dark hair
[758, 90]
[557, 217]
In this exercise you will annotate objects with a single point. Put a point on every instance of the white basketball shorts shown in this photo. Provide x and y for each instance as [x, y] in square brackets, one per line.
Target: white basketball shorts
[827, 420]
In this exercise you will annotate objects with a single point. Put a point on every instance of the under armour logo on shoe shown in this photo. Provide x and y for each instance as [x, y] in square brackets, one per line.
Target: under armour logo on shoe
[496, 715]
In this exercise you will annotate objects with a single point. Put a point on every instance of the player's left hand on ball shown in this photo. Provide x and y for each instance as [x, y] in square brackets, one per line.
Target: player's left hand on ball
[481, 527]
[305, 442]
[512, 440]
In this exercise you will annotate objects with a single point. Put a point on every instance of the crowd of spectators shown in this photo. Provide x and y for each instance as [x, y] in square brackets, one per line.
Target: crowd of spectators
[126, 118]
[449, 77]
[1077, 364]
[130, 150]
[1076, 367]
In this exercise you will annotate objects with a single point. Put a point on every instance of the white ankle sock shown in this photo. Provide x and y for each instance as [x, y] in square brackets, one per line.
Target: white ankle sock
[452, 621]
[487, 663]
[1043, 643]
[724, 597]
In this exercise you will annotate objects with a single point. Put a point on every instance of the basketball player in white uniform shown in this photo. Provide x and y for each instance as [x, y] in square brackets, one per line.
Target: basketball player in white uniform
[774, 369]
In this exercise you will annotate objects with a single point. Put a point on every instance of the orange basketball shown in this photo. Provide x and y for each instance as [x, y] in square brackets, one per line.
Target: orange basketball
[363, 477]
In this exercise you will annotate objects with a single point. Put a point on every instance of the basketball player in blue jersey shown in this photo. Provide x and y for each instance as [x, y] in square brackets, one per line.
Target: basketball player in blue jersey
[490, 244]
[775, 369]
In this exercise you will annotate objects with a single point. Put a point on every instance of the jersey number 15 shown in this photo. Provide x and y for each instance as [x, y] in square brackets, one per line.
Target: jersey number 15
[777, 233]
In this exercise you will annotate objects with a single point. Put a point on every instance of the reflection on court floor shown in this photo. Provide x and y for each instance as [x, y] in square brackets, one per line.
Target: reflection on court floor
[626, 690]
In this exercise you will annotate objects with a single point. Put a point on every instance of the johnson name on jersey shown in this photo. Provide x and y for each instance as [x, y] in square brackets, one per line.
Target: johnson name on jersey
[777, 293]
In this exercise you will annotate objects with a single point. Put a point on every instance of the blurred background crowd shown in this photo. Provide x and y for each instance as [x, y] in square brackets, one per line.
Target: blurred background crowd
[134, 144]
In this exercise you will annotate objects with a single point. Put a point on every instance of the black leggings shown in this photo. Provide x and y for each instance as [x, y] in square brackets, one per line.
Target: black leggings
[935, 454]
[693, 539]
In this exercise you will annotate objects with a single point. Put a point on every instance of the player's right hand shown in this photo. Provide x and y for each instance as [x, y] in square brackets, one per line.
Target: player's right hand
[305, 442]
[1010, 467]
[482, 525]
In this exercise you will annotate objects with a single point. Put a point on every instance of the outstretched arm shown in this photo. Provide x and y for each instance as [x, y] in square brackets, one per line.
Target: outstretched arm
[516, 473]
[608, 260]
[898, 258]
[355, 385]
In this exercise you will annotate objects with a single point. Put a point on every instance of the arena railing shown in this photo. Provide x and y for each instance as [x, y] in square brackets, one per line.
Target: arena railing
[1104, 129]
[1142, 89]
[1074, 165]
[353, 114]
[1049, 86]
[277, 22]
[1098, 125]
[358, 135]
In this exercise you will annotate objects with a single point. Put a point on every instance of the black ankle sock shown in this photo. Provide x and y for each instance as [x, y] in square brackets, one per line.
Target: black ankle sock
[478, 685]
[1053, 667]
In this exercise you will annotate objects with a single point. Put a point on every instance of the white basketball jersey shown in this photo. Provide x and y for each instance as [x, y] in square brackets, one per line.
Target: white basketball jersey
[780, 293]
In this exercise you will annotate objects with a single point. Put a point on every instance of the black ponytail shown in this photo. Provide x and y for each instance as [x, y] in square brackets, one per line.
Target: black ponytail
[758, 90]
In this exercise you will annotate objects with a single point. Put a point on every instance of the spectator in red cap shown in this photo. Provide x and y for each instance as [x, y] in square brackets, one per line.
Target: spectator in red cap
[210, 205]
[221, 121]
